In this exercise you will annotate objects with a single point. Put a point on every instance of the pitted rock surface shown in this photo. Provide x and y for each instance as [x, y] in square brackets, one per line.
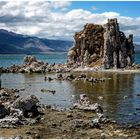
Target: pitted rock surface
[102, 45]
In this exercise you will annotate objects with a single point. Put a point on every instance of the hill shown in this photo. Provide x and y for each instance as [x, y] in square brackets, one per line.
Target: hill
[11, 43]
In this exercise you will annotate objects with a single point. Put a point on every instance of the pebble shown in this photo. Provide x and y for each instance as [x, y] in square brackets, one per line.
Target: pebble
[69, 115]
[37, 136]
[28, 132]
[54, 125]
[103, 136]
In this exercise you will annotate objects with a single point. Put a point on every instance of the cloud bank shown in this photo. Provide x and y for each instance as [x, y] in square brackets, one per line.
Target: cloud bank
[55, 19]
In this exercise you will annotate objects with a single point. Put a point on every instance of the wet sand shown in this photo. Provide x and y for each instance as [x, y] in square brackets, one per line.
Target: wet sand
[70, 124]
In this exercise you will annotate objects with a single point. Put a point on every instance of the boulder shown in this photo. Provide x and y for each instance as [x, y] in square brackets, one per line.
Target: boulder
[16, 110]
[27, 104]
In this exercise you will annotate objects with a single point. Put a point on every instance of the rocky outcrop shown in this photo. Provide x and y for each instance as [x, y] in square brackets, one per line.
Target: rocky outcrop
[118, 50]
[16, 110]
[88, 45]
[103, 46]
[33, 65]
[26, 104]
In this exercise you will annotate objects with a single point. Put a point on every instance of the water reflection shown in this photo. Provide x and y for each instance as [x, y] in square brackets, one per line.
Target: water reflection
[119, 92]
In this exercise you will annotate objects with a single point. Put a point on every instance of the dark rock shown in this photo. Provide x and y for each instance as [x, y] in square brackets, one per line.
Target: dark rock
[69, 115]
[54, 125]
[45, 78]
[50, 79]
[28, 132]
[37, 136]
[70, 77]
[60, 76]
[3, 111]
[82, 76]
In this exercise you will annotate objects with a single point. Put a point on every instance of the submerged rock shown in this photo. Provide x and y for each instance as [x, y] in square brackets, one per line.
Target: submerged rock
[47, 90]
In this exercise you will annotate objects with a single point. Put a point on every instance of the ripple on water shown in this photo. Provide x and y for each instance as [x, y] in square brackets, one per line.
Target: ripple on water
[119, 92]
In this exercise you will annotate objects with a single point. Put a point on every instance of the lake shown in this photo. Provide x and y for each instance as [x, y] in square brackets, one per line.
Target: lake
[119, 91]
[8, 59]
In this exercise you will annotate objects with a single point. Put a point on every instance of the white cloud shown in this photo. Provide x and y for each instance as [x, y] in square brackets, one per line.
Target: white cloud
[111, 14]
[60, 4]
[55, 20]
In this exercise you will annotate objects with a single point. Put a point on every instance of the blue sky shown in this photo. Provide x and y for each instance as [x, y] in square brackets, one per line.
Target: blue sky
[61, 19]
[125, 8]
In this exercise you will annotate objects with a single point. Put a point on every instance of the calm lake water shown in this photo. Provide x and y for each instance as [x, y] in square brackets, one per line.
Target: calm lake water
[119, 91]
[8, 60]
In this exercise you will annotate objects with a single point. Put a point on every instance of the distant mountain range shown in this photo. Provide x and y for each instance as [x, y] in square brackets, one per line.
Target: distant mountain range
[12, 43]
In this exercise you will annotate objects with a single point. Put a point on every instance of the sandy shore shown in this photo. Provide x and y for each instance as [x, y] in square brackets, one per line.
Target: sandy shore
[88, 69]
[70, 124]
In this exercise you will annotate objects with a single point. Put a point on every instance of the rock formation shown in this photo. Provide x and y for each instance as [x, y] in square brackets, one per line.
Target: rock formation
[33, 65]
[103, 45]
[26, 104]
[16, 110]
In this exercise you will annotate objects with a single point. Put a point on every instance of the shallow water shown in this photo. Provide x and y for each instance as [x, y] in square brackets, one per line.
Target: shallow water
[119, 92]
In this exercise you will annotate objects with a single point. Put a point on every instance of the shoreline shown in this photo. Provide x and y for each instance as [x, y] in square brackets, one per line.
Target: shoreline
[88, 69]
[32, 65]
[72, 124]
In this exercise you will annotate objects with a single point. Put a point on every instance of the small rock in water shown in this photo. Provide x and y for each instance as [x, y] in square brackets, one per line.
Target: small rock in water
[138, 95]
[125, 97]
[100, 98]
[47, 90]
[50, 79]
[45, 78]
